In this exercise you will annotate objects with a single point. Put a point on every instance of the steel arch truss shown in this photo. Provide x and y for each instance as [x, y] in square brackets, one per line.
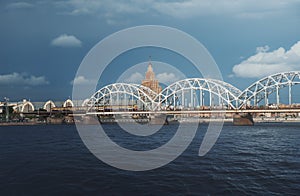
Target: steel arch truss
[235, 91]
[124, 95]
[175, 93]
[261, 89]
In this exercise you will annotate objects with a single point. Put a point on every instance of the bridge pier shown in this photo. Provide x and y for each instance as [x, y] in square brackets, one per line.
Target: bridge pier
[243, 119]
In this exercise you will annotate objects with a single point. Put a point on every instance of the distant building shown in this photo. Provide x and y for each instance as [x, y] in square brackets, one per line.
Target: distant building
[150, 81]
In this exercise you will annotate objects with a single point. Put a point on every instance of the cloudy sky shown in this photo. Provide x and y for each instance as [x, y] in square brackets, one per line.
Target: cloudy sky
[43, 42]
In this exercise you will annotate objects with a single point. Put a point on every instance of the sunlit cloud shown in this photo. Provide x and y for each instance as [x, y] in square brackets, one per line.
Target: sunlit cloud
[179, 8]
[134, 78]
[167, 78]
[65, 40]
[19, 5]
[266, 62]
[81, 80]
[22, 79]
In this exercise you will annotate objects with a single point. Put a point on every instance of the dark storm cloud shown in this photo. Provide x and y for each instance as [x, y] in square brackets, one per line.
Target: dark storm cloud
[229, 29]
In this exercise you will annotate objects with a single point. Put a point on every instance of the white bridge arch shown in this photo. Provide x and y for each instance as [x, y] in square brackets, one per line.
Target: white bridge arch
[175, 94]
[123, 94]
[261, 89]
[219, 93]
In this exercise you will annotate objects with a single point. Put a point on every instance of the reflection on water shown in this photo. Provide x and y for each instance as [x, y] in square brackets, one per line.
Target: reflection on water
[39, 160]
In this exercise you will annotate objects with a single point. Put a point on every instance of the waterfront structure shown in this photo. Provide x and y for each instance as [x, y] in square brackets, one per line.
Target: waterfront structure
[49, 105]
[150, 81]
[24, 107]
[68, 103]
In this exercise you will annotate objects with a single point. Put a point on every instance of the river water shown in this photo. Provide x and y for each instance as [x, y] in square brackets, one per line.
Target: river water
[52, 160]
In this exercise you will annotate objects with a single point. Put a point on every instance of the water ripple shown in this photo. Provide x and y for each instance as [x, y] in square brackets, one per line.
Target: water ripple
[52, 160]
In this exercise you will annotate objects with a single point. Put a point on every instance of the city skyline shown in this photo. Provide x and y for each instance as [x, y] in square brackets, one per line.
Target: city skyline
[43, 43]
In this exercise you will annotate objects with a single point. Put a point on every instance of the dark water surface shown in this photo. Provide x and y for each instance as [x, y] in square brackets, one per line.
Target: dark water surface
[52, 160]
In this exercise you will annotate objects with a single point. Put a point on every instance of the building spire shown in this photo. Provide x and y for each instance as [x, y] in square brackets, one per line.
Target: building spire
[150, 81]
[150, 69]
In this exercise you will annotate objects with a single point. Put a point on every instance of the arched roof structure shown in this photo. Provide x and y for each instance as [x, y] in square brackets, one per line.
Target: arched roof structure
[27, 106]
[48, 105]
[68, 103]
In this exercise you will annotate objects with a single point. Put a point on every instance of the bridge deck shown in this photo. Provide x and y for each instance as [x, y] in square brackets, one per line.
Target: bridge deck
[198, 111]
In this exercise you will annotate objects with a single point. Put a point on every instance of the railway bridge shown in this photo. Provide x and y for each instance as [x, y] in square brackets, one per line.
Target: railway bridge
[201, 97]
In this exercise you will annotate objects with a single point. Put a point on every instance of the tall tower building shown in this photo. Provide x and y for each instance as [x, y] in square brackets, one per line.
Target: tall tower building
[150, 81]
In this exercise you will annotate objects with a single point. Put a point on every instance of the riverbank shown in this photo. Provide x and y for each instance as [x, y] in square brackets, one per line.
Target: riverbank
[184, 121]
[29, 123]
